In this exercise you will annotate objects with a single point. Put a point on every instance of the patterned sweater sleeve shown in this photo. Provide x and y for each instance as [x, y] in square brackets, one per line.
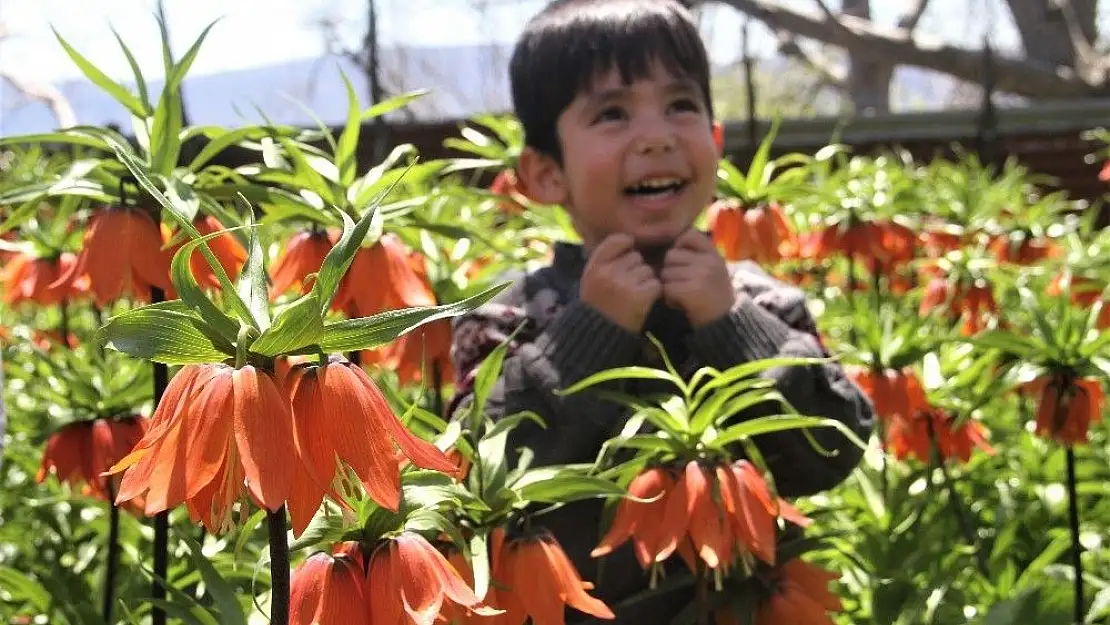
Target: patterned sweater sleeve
[771, 319]
[563, 341]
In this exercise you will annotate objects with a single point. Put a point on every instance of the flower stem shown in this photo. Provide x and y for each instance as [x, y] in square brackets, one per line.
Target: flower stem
[162, 519]
[279, 568]
[962, 518]
[1073, 525]
[112, 558]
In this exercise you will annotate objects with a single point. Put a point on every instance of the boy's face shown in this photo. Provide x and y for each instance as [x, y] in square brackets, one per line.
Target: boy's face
[638, 159]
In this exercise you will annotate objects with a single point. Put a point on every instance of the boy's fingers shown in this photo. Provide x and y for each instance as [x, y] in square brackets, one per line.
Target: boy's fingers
[696, 241]
[680, 256]
[612, 246]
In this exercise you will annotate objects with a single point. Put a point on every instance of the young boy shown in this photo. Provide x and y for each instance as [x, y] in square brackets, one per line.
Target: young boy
[615, 102]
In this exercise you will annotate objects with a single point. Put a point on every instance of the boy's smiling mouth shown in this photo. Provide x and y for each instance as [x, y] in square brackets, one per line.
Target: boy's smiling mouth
[656, 186]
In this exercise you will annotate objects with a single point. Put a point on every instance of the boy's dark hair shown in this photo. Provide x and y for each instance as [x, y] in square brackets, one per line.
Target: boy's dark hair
[571, 43]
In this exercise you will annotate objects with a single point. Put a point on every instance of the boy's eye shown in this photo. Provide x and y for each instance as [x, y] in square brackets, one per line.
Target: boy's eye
[686, 104]
[610, 113]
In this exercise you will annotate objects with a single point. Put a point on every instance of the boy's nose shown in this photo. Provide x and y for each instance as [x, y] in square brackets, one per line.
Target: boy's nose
[654, 135]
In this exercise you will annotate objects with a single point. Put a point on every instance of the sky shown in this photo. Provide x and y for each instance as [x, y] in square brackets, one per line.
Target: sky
[259, 32]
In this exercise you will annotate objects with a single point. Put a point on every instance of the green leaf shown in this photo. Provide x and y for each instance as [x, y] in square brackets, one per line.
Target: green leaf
[713, 409]
[565, 488]
[779, 423]
[488, 373]
[163, 336]
[621, 373]
[345, 156]
[68, 137]
[306, 176]
[370, 332]
[739, 372]
[224, 594]
[179, 214]
[297, 325]
[340, 257]
[100, 79]
[479, 563]
[215, 146]
[181, 274]
[140, 82]
[759, 173]
[392, 104]
[253, 280]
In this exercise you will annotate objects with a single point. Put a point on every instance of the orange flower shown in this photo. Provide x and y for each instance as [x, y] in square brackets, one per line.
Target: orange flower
[381, 277]
[225, 247]
[760, 232]
[888, 242]
[799, 595]
[1085, 292]
[971, 302]
[409, 581]
[122, 255]
[339, 414]
[535, 579]
[914, 436]
[328, 590]
[215, 427]
[509, 184]
[1022, 250]
[1068, 406]
[1104, 175]
[80, 452]
[896, 394]
[302, 257]
[30, 279]
[688, 519]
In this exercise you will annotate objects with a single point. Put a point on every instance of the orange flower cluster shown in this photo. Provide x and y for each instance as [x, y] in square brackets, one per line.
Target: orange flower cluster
[218, 427]
[798, 594]
[121, 255]
[508, 184]
[30, 279]
[760, 232]
[972, 303]
[404, 581]
[1085, 293]
[80, 453]
[225, 247]
[912, 424]
[1068, 406]
[686, 517]
[532, 579]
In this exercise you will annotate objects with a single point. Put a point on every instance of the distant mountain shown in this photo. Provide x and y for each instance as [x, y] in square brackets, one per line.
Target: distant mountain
[464, 80]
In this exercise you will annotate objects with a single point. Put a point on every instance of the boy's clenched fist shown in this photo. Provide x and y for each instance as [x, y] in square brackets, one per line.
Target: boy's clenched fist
[695, 278]
[618, 282]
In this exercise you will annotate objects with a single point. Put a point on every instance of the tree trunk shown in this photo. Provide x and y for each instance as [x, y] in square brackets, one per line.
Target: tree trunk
[1044, 30]
[869, 75]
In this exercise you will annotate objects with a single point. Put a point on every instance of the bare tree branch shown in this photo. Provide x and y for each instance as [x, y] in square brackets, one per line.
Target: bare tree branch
[1018, 76]
[912, 18]
[827, 71]
[1084, 47]
[44, 92]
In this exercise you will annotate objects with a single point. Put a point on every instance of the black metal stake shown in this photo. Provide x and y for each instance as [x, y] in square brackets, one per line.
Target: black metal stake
[1073, 526]
[162, 519]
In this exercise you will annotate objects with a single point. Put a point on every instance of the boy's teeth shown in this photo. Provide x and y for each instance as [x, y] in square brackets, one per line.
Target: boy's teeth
[659, 183]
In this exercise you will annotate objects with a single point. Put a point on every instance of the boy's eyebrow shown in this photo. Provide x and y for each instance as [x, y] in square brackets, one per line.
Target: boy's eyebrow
[601, 96]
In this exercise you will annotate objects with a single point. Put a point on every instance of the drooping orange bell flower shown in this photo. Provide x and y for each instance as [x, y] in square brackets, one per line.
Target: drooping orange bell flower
[1068, 406]
[225, 247]
[1085, 292]
[972, 303]
[915, 436]
[1023, 249]
[327, 589]
[409, 581]
[302, 257]
[896, 394]
[799, 594]
[122, 256]
[215, 427]
[687, 516]
[36, 279]
[508, 184]
[890, 243]
[535, 580]
[381, 277]
[760, 232]
[339, 414]
[79, 453]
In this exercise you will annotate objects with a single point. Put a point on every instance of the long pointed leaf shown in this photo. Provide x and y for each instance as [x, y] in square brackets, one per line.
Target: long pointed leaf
[100, 79]
[345, 157]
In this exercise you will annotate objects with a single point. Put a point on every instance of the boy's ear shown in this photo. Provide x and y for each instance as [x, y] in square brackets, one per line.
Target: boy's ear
[542, 176]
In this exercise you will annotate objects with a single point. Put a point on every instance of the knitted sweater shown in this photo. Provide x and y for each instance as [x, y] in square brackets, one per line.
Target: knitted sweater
[565, 340]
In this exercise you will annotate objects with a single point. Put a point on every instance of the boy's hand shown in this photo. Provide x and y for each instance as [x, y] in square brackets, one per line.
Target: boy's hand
[618, 282]
[695, 279]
